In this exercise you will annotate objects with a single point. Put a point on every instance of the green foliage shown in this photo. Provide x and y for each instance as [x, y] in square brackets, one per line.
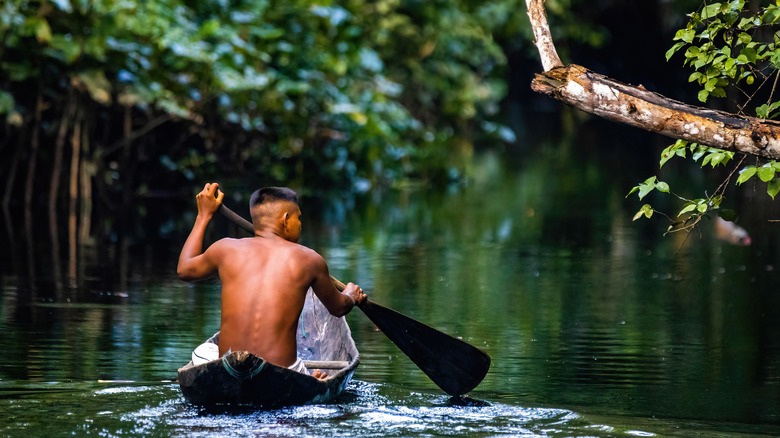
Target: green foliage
[646, 211]
[720, 47]
[648, 186]
[692, 210]
[730, 45]
[711, 156]
[691, 213]
[767, 173]
[327, 91]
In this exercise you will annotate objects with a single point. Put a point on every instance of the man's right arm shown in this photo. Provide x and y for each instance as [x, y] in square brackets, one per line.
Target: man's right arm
[193, 263]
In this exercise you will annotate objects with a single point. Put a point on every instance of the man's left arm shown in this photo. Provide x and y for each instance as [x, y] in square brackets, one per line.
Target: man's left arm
[193, 263]
[337, 303]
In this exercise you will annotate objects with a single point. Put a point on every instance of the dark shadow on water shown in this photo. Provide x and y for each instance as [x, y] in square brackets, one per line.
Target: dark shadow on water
[349, 397]
[229, 410]
[467, 402]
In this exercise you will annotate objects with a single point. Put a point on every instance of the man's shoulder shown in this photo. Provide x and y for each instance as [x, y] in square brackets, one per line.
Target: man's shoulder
[227, 244]
[305, 251]
[305, 256]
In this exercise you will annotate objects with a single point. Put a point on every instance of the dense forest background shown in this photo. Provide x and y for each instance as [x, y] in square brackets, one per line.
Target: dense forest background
[106, 102]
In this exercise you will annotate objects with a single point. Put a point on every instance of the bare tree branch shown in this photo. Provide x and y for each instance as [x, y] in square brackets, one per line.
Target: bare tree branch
[542, 37]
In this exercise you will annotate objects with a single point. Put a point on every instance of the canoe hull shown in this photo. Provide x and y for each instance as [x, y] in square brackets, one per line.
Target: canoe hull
[269, 386]
[242, 378]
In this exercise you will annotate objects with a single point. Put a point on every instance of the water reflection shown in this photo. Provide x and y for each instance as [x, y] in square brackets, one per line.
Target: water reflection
[584, 313]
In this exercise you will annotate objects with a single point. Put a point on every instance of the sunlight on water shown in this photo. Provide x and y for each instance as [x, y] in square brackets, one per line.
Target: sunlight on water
[364, 411]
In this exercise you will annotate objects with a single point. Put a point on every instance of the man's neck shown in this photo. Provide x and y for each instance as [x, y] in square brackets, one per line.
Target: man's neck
[270, 233]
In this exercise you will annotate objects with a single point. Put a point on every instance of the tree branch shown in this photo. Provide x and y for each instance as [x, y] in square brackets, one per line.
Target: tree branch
[597, 94]
[542, 37]
[127, 139]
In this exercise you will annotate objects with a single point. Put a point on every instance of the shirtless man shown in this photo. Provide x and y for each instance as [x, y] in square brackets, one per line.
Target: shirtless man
[264, 278]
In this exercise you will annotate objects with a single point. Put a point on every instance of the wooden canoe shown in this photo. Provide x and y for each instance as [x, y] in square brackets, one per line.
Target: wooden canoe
[242, 378]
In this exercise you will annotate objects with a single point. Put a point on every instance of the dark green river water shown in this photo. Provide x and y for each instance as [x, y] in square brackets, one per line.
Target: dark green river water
[596, 325]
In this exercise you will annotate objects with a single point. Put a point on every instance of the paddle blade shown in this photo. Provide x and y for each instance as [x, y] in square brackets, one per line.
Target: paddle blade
[453, 365]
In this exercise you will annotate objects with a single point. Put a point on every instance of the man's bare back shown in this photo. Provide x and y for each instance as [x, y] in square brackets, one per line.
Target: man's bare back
[264, 278]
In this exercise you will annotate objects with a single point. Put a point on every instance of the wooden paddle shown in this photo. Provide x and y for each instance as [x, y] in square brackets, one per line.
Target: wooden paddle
[452, 364]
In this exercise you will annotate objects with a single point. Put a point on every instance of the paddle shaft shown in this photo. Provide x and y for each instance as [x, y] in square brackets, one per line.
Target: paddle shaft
[452, 364]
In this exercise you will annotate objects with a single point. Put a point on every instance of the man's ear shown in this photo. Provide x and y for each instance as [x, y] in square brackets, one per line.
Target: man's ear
[285, 218]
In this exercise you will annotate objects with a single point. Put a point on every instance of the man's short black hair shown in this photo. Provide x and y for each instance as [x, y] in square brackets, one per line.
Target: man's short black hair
[267, 194]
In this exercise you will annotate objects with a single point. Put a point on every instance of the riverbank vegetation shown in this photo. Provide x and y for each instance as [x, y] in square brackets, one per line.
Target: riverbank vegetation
[108, 99]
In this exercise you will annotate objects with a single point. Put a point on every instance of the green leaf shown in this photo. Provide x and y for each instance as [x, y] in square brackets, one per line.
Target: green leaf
[763, 111]
[745, 174]
[686, 35]
[710, 11]
[746, 23]
[687, 209]
[673, 50]
[715, 201]
[694, 76]
[677, 149]
[43, 31]
[703, 94]
[718, 92]
[765, 173]
[645, 189]
[717, 157]
[729, 66]
[646, 211]
[771, 16]
[750, 54]
[773, 188]
[662, 187]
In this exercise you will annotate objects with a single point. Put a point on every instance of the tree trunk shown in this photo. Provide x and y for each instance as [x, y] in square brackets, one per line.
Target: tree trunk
[14, 166]
[54, 189]
[29, 186]
[85, 175]
[9, 186]
[59, 152]
[634, 105]
[73, 193]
